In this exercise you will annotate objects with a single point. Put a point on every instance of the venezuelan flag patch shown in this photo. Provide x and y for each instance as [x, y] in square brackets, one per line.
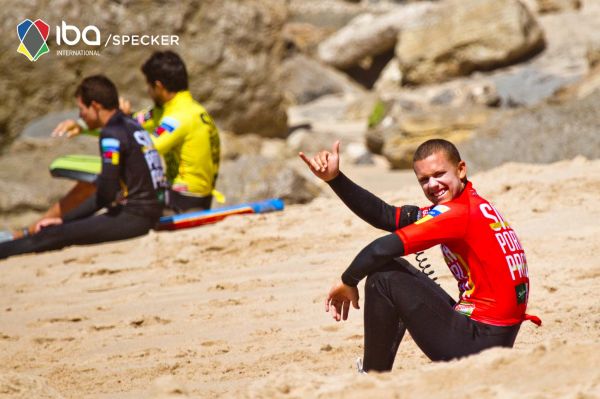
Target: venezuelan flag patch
[110, 150]
[435, 211]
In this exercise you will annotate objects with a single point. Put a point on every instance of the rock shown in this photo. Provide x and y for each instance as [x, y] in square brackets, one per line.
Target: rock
[24, 172]
[369, 35]
[593, 55]
[549, 6]
[541, 134]
[390, 79]
[528, 85]
[242, 90]
[276, 149]
[463, 36]
[304, 80]
[232, 50]
[309, 142]
[253, 178]
[358, 154]
[580, 89]
[330, 108]
[234, 146]
[304, 37]
[400, 133]
[459, 92]
[331, 15]
[43, 127]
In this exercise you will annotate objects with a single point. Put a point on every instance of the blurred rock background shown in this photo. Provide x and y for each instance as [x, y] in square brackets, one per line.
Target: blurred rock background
[507, 80]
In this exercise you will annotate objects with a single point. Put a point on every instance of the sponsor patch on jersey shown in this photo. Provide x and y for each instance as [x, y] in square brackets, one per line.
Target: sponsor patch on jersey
[521, 291]
[465, 308]
[435, 211]
[110, 150]
[167, 124]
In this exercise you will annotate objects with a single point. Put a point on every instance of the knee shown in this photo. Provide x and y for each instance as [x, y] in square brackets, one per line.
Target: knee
[378, 283]
[373, 280]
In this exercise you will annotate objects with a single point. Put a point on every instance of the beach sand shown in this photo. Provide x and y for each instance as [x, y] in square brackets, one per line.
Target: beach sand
[236, 309]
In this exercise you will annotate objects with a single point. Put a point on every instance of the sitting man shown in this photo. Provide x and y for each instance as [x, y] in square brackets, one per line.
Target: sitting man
[182, 132]
[479, 246]
[130, 187]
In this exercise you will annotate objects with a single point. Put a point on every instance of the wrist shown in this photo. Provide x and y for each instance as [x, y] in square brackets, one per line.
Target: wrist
[349, 280]
[333, 178]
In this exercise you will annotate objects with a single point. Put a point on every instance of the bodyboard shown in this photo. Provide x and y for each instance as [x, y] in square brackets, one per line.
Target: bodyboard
[199, 218]
[84, 168]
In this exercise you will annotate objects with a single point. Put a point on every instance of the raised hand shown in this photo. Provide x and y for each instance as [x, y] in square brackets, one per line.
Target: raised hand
[68, 128]
[325, 165]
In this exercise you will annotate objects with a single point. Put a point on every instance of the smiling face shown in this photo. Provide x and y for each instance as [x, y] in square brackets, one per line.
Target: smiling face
[440, 179]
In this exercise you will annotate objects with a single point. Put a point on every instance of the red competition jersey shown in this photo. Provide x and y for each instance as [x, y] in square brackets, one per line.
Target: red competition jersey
[482, 252]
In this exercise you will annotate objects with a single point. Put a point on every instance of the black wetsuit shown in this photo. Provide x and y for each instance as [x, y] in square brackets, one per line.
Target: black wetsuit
[399, 297]
[130, 187]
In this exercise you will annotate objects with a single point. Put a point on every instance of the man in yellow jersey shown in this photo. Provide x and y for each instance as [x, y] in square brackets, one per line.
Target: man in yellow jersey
[181, 130]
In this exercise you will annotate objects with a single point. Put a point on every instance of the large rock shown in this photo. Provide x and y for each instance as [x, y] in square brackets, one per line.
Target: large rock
[232, 49]
[399, 133]
[459, 92]
[464, 36]
[369, 35]
[305, 79]
[253, 178]
[541, 134]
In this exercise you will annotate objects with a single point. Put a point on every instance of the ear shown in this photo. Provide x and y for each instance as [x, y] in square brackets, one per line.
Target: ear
[96, 106]
[462, 170]
[159, 84]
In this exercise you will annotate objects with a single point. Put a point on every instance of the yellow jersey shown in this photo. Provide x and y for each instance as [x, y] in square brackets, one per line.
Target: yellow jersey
[188, 139]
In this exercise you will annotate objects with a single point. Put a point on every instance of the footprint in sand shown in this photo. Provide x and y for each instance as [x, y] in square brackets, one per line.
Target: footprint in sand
[331, 328]
[4, 337]
[53, 320]
[50, 340]
[102, 328]
[145, 321]
[103, 272]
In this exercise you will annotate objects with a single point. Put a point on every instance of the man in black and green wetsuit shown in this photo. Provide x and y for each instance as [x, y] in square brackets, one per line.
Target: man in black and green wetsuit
[182, 132]
[130, 185]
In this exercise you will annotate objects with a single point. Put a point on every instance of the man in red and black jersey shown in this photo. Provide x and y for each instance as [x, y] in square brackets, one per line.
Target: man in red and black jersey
[479, 246]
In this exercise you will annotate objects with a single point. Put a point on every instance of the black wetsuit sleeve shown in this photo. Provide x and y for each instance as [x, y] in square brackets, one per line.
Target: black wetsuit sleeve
[364, 204]
[372, 257]
[372, 209]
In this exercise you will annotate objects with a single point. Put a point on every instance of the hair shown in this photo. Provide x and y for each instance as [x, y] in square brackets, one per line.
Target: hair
[98, 88]
[435, 145]
[168, 68]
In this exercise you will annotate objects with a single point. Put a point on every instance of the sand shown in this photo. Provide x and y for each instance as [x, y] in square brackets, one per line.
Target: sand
[236, 309]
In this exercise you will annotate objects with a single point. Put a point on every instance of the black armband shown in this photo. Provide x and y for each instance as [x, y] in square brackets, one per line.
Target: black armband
[408, 215]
